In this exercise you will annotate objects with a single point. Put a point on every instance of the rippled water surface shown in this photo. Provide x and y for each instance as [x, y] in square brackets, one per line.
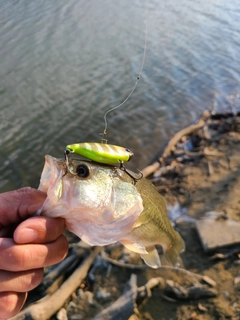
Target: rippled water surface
[63, 64]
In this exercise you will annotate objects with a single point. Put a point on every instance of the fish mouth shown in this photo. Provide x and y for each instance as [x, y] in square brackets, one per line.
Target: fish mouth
[52, 170]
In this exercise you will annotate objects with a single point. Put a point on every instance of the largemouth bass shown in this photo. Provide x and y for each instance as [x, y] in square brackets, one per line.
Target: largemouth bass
[101, 205]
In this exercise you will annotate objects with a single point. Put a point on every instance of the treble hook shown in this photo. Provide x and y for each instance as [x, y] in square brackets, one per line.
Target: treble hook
[66, 153]
[130, 175]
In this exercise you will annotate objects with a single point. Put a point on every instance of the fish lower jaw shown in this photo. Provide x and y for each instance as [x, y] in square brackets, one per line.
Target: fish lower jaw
[100, 234]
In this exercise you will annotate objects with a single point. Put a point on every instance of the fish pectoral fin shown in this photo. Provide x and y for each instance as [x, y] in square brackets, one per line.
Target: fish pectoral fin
[141, 221]
[152, 258]
[135, 247]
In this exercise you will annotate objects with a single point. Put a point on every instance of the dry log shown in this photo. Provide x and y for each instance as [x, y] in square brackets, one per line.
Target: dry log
[176, 138]
[47, 306]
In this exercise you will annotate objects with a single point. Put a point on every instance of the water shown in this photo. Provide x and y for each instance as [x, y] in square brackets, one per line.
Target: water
[64, 64]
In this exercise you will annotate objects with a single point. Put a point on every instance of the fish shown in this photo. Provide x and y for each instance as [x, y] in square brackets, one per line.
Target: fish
[101, 205]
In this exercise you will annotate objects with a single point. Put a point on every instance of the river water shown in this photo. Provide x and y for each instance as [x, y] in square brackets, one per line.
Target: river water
[63, 64]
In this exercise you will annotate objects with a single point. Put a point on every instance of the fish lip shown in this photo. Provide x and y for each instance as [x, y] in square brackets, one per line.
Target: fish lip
[52, 163]
[52, 169]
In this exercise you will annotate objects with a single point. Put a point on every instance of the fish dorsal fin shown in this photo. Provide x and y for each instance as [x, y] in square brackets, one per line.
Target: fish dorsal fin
[134, 246]
[152, 258]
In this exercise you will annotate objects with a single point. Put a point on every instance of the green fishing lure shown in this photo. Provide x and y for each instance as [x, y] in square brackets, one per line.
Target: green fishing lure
[101, 152]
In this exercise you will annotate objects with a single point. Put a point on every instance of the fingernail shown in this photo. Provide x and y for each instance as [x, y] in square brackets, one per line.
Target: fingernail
[26, 235]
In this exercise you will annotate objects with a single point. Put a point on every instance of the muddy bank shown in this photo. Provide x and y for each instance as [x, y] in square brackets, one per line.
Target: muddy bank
[210, 182]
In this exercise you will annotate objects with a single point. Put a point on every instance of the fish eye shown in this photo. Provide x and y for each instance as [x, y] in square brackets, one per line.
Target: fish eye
[83, 171]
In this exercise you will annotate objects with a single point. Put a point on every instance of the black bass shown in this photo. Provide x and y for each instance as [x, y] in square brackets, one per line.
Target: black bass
[101, 205]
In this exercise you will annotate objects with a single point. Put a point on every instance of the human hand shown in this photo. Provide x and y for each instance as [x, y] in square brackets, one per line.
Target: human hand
[27, 245]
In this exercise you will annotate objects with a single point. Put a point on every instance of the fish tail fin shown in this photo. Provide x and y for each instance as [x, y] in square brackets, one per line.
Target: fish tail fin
[173, 254]
[152, 258]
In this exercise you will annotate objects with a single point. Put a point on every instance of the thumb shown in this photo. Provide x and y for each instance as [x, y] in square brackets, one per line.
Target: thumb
[17, 205]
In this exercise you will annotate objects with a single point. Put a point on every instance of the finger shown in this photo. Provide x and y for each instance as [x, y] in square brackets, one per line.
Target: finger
[11, 303]
[21, 281]
[39, 230]
[22, 257]
[17, 205]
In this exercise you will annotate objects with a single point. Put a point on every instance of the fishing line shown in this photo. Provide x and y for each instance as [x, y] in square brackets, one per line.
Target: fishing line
[136, 83]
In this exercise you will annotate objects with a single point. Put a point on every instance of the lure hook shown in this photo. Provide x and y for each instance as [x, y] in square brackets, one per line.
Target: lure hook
[66, 153]
[122, 167]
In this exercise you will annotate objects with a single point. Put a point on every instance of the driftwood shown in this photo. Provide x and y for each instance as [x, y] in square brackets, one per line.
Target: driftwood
[59, 273]
[124, 307]
[176, 138]
[63, 267]
[50, 304]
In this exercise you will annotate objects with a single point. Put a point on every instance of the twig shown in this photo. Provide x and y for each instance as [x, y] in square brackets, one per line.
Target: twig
[123, 307]
[225, 254]
[63, 267]
[193, 292]
[126, 305]
[175, 139]
[184, 132]
[163, 271]
[210, 168]
[117, 263]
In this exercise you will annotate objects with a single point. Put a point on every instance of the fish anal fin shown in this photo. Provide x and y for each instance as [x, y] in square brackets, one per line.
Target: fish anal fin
[137, 224]
[152, 258]
[134, 246]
